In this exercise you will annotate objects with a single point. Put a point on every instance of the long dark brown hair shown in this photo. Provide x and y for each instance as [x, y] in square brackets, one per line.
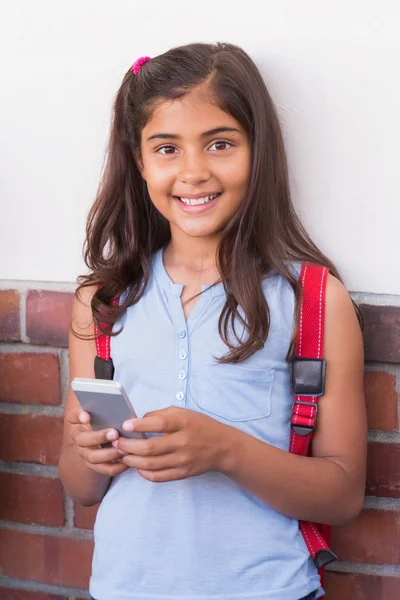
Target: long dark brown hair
[265, 236]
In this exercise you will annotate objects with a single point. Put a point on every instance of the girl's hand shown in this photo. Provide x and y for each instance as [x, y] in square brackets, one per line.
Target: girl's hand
[192, 444]
[102, 460]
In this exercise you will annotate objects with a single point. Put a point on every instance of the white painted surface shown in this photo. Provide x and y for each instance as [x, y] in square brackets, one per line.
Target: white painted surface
[332, 69]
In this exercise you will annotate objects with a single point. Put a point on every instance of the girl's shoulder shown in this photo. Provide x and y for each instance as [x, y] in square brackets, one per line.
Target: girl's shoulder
[281, 298]
[82, 318]
[276, 279]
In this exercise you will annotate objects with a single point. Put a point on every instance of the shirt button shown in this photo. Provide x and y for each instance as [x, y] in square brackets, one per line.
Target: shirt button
[182, 374]
[182, 333]
[180, 396]
[182, 354]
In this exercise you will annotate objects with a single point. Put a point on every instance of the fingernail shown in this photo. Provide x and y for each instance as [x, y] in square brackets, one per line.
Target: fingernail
[82, 417]
[127, 426]
[122, 452]
[115, 444]
[111, 435]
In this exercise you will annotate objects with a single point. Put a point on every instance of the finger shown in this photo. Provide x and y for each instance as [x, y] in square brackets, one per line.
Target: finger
[148, 447]
[84, 417]
[108, 469]
[163, 476]
[96, 456]
[78, 429]
[151, 463]
[155, 424]
[95, 438]
[162, 411]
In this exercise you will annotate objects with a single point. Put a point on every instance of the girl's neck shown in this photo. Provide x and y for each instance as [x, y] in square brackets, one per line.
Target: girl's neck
[195, 255]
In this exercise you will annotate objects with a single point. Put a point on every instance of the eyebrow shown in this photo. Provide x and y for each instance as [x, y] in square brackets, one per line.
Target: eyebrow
[172, 136]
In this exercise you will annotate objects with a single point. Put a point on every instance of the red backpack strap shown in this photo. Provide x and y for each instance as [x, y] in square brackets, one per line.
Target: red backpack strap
[103, 364]
[308, 384]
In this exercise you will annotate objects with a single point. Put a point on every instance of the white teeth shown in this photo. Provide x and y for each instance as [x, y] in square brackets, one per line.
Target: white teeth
[195, 201]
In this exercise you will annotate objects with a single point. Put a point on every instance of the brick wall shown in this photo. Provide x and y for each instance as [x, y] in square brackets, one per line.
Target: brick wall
[46, 542]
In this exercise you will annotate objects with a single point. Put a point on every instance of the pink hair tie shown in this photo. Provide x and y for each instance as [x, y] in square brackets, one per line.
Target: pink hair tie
[138, 63]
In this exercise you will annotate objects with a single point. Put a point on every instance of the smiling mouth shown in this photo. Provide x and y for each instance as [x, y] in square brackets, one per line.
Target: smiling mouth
[197, 201]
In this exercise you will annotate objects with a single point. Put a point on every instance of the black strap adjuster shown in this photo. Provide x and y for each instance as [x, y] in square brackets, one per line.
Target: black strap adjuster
[103, 369]
[307, 376]
[304, 429]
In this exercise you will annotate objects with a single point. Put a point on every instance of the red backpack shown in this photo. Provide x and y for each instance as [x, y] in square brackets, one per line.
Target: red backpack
[307, 383]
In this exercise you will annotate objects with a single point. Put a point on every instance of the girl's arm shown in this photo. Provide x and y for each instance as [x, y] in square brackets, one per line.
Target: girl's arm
[85, 481]
[329, 486]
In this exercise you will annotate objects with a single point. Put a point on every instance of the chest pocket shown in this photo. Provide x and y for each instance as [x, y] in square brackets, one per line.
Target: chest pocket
[235, 393]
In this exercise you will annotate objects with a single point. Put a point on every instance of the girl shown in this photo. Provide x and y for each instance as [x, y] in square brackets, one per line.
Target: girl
[193, 229]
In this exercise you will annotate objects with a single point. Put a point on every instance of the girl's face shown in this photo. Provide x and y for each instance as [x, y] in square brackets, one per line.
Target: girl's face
[191, 150]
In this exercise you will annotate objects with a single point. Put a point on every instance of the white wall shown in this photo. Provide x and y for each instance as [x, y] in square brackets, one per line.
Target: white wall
[332, 69]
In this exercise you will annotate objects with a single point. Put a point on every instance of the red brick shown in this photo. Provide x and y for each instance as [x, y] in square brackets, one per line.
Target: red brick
[383, 470]
[381, 399]
[30, 378]
[31, 499]
[12, 594]
[372, 538]
[48, 317]
[349, 586]
[30, 438]
[46, 559]
[381, 333]
[9, 316]
[85, 516]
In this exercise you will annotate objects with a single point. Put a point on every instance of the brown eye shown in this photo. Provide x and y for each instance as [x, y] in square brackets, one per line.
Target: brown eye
[223, 143]
[165, 148]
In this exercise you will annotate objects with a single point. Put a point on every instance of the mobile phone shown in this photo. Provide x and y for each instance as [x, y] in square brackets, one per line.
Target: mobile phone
[107, 403]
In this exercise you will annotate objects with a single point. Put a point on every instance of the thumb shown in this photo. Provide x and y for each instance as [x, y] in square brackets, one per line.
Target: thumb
[78, 416]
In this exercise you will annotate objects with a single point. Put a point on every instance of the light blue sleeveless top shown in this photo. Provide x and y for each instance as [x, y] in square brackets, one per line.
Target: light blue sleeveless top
[204, 537]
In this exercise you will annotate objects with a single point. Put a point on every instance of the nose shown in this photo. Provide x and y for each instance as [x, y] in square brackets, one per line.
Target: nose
[193, 168]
